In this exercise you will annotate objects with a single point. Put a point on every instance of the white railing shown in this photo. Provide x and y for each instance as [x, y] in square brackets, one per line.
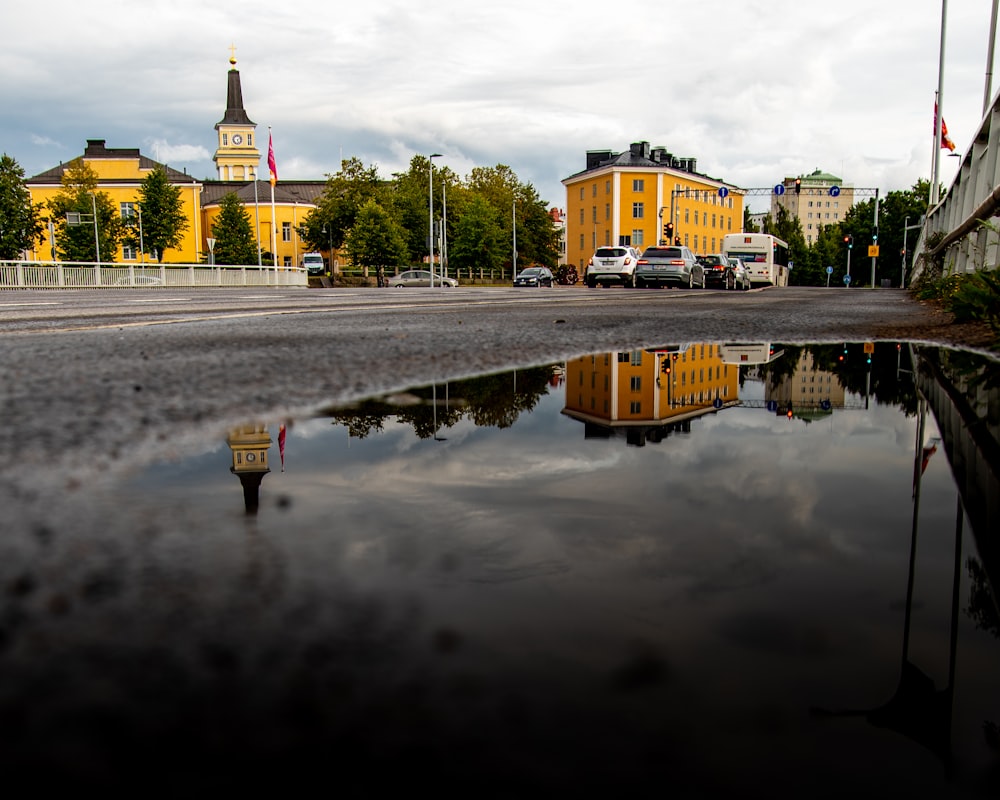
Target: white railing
[967, 216]
[88, 275]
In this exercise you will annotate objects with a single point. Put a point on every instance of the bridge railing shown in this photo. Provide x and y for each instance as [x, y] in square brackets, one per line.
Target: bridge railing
[88, 275]
[966, 217]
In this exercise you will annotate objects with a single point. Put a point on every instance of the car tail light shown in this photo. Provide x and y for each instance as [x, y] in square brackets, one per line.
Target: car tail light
[642, 261]
[627, 261]
[677, 262]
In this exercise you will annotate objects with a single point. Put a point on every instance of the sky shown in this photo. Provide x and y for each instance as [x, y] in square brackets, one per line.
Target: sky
[755, 90]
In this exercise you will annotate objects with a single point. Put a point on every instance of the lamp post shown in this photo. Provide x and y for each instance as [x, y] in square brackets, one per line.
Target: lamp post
[256, 216]
[142, 246]
[430, 210]
[97, 239]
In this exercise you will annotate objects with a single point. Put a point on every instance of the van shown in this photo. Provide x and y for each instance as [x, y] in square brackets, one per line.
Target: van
[313, 262]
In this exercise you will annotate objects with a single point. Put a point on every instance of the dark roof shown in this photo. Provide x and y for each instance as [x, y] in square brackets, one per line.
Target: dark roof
[96, 150]
[285, 192]
[640, 154]
[235, 113]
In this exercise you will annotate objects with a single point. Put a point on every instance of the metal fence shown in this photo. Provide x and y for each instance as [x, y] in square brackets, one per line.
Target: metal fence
[88, 275]
[965, 221]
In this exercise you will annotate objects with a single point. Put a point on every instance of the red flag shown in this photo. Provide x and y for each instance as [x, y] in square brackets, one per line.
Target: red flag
[281, 445]
[270, 159]
[946, 143]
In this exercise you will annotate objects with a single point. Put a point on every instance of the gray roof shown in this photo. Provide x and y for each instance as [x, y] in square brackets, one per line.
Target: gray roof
[97, 150]
[285, 192]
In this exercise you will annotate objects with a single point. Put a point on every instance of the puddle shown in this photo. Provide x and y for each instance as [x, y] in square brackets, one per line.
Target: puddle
[707, 566]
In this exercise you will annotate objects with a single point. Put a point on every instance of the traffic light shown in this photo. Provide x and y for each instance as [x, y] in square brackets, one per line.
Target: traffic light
[665, 366]
[677, 241]
[849, 240]
[668, 231]
[798, 185]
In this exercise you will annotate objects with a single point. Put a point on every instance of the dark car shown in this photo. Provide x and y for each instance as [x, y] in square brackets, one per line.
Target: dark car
[718, 271]
[534, 276]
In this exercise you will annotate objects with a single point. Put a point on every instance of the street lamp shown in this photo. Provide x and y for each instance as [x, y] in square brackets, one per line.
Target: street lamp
[430, 212]
[97, 240]
[256, 215]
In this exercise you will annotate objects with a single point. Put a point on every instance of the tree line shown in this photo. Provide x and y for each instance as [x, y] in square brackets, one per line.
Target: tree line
[373, 221]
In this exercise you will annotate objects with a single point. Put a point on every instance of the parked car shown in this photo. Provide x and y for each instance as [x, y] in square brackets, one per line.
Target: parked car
[313, 263]
[534, 276]
[669, 266]
[718, 271]
[612, 265]
[419, 277]
[741, 273]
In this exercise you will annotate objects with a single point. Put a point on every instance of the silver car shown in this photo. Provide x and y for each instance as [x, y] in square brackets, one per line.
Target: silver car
[741, 274]
[419, 277]
[669, 266]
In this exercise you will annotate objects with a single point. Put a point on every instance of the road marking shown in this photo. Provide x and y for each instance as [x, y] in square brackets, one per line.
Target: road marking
[162, 300]
[24, 305]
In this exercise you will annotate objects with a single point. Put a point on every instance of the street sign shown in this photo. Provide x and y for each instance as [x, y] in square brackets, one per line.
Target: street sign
[779, 189]
[847, 280]
[772, 405]
[834, 191]
[869, 347]
[717, 402]
[829, 270]
[723, 192]
[873, 251]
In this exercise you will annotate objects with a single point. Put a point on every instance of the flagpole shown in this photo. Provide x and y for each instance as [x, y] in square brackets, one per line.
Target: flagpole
[939, 116]
[271, 164]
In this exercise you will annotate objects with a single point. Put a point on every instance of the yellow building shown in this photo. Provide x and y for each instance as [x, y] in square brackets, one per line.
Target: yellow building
[276, 211]
[630, 198]
[650, 389]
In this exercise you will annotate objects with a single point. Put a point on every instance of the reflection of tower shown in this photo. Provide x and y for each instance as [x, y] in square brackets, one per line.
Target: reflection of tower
[250, 444]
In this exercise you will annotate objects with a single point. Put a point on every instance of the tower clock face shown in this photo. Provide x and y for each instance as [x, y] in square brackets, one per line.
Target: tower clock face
[237, 139]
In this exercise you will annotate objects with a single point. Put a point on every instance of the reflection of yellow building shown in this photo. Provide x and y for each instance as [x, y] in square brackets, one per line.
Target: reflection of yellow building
[237, 158]
[650, 387]
[629, 197]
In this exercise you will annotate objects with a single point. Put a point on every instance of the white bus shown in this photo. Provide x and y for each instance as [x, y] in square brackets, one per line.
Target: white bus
[765, 256]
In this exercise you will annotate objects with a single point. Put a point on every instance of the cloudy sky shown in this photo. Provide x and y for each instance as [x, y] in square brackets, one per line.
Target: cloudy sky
[755, 90]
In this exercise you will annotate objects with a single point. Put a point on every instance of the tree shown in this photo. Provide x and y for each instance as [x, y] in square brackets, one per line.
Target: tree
[21, 223]
[233, 232]
[75, 241]
[163, 219]
[346, 192]
[475, 243]
[376, 239]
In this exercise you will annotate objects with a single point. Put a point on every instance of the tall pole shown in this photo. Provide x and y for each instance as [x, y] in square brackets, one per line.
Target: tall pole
[513, 216]
[274, 219]
[444, 231]
[939, 116]
[142, 248]
[430, 210]
[97, 239]
[256, 215]
[875, 237]
[989, 58]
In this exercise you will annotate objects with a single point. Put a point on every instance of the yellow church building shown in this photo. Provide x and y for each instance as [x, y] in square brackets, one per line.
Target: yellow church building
[276, 209]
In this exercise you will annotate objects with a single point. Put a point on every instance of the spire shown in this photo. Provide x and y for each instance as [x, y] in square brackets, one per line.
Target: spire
[235, 113]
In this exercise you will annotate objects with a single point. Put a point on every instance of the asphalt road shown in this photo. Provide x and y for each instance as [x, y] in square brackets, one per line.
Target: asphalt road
[96, 378]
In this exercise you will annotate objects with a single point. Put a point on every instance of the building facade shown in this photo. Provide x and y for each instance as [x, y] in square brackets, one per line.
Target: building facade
[631, 198]
[276, 209]
[815, 200]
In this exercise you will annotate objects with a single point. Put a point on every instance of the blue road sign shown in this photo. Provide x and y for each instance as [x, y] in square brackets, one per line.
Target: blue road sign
[772, 405]
[717, 402]
[723, 192]
[834, 191]
[779, 189]
[829, 270]
[847, 280]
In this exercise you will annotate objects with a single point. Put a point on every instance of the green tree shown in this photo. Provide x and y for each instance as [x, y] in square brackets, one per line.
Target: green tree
[21, 223]
[475, 241]
[375, 240]
[346, 192]
[233, 233]
[163, 219]
[79, 197]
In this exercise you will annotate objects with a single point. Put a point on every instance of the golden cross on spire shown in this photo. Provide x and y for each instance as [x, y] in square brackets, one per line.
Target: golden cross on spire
[232, 54]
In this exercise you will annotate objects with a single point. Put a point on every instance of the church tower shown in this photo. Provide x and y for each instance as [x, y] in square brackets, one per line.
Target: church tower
[236, 157]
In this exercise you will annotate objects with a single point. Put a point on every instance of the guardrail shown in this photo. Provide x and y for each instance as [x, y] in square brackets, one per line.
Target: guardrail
[88, 275]
[967, 238]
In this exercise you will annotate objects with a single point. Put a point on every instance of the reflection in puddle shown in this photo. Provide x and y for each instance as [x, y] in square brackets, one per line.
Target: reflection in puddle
[708, 566]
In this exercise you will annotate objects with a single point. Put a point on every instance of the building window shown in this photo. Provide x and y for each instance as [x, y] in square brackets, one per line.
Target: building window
[582, 242]
[288, 261]
[581, 193]
[607, 211]
[713, 220]
[638, 185]
[635, 407]
[636, 383]
[286, 232]
[687, 215]
[637, 237]
[594, 193]
[593, 213]
[607, 187]
[638, 210]
[581, 215]
[225, 140]
[128, 210]
[128, 252]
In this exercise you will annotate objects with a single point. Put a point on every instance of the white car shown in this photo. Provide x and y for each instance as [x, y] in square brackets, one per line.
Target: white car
[419, 277]
[612, 265]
